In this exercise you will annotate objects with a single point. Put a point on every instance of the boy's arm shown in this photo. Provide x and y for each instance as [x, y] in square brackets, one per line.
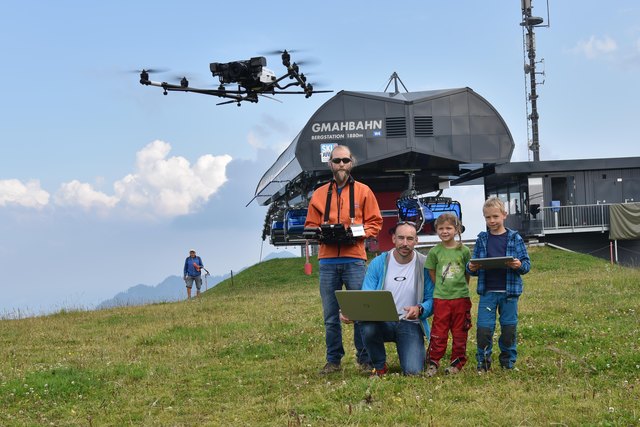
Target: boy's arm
[523, 256]
[432, 275]
[473, 272]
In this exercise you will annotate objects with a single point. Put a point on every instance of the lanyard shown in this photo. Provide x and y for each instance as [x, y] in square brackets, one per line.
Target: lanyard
[352, 209]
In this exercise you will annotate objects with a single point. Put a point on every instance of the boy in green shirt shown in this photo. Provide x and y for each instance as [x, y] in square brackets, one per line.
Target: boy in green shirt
[451, 303]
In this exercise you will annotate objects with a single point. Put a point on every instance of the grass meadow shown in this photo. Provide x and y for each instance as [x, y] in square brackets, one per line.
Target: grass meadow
[248, 353]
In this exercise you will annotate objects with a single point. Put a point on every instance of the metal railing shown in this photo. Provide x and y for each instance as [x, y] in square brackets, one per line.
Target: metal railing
[575, 218]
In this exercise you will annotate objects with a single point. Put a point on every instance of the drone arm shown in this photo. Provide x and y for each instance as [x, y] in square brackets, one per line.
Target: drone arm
[168, 87]
[164, 85]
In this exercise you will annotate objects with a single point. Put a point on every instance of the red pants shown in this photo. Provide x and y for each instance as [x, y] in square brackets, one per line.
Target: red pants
[450, 315]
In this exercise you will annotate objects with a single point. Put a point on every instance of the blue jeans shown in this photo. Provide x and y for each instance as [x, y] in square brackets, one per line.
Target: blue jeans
[507, 307]
[409, 340]
[332, 277]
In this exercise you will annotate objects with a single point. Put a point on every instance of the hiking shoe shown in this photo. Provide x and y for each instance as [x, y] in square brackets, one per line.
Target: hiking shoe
[483, 369]
[330, 368]
[365, 367]
[452, 370]
[379, 372]
[432, 369]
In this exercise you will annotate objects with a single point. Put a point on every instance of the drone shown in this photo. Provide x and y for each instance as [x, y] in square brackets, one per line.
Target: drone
[252, 76]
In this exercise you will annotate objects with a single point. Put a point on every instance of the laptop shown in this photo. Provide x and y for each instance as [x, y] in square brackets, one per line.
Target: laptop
[374, 306]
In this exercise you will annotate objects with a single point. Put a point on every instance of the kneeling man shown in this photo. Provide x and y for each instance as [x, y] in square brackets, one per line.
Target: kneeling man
[401, 271]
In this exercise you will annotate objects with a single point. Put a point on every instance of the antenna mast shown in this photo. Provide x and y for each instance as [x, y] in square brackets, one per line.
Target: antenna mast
[395, 78]
[528, 23]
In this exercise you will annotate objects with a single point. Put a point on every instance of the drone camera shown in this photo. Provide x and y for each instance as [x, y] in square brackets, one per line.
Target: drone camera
[238, 71]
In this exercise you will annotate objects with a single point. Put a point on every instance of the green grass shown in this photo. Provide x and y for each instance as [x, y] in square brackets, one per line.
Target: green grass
[248, 353]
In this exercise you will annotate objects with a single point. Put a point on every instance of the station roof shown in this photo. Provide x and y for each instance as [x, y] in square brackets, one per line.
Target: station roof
[551, 166]
[433, 135]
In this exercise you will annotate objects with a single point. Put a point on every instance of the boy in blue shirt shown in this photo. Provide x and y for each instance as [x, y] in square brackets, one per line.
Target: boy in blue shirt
[499, 288]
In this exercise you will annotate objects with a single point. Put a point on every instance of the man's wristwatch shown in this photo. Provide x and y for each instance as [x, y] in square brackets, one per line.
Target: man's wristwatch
[420, 310]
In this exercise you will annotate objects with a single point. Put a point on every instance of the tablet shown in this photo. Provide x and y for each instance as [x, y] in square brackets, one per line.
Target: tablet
[492, 263]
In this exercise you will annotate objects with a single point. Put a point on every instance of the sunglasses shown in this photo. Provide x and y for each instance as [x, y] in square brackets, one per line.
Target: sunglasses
[337, 160]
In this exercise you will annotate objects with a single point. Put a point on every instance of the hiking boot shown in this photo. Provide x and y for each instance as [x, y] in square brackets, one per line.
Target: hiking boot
[483, 369]
[432, 370]
[330, 368]
[379, 372]
[452, 370]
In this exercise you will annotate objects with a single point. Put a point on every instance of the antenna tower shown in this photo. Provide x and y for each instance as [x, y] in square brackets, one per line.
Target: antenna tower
[529, 22]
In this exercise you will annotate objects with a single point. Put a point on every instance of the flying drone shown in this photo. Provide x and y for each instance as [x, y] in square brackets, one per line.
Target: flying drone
[252, 77]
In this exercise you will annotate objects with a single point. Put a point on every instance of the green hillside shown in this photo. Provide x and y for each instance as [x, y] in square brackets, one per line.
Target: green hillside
[248, 353]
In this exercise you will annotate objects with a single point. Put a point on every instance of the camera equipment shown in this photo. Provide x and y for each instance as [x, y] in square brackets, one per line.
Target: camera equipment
[330, 233]
[251, 70]
[311, 233]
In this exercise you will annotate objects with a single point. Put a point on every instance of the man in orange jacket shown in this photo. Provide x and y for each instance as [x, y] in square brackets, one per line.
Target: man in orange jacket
[346, 201]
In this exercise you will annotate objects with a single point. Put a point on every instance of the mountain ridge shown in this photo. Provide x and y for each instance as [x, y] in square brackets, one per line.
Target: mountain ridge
[172, 288]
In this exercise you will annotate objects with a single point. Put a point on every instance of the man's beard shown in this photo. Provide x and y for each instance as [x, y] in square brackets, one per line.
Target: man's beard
[341, 175]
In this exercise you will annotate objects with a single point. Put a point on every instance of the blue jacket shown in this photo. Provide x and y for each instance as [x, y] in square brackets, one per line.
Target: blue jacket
[515, 248]
[190, 269]
[377, 270]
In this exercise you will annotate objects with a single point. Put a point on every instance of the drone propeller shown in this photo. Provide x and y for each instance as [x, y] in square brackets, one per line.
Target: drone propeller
[307, 62]
[150, 70]
[280, 52]
[317, 83]
[237, 99]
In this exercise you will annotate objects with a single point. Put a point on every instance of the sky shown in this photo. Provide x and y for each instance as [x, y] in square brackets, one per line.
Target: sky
[106, 184]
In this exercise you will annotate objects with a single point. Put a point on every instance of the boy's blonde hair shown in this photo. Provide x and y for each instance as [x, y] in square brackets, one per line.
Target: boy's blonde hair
[494, 202]
[451, 219]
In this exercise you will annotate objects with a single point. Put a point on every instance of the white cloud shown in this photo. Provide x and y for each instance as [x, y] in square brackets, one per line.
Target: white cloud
[596, 47]
[170, 186]
[30, 195]
[75, 193]
[160, 186]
